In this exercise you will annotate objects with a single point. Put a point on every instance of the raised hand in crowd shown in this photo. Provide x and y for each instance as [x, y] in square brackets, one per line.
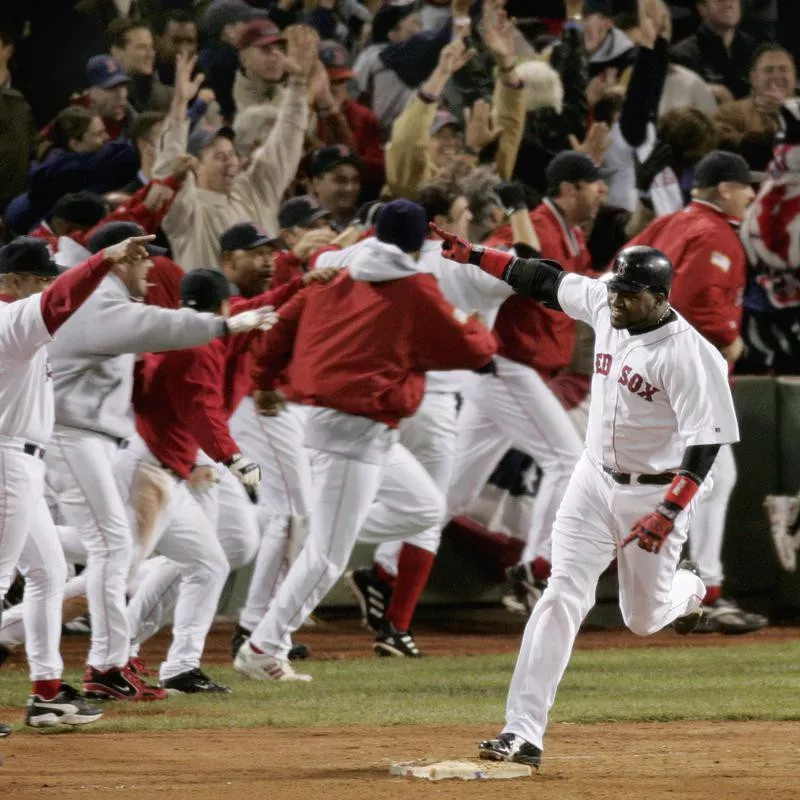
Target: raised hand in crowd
[596, 143]
[186, 86]
[480, 129]
[498, 34]
[302, 43]
[451, 59]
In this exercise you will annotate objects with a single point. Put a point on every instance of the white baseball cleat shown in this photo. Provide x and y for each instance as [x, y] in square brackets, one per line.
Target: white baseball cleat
[264, 667]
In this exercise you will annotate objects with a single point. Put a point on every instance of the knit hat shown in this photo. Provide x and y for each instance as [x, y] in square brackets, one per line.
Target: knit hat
[204, 289]
[403, 224]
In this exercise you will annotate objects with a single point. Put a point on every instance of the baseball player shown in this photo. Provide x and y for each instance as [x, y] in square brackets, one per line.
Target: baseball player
[702, 242]
[29, 319]
[93, 365]
[661, 408]
[360, 383]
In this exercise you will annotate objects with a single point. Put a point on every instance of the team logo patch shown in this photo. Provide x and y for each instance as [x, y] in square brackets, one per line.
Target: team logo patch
[721, 260]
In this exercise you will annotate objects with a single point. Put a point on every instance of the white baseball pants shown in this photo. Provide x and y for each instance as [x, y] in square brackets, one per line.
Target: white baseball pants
[165, 517]
[276, 445]
[514, 408]
[81, 472]
[708, 524]
[394, 491]
[29, 543]
[594, 518]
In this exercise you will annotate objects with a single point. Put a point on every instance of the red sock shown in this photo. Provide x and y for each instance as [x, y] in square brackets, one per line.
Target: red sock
[413, 568]
[713, 593]
[47, 690]
[541, 568]
[385, 576]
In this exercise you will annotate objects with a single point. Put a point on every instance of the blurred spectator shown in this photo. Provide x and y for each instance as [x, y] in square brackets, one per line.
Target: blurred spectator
[16, 126]
[76, 212]
[760, 19]
[607, 46]
[262, 56]
[748, 126]
[719, 52]
[131, 43]
[336, 183]
[145, 133]
[304, 229]
[178, 35]
[222, 24]
[107, 95]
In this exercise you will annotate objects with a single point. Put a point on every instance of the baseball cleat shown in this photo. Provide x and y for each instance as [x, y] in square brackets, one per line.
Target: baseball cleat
[510, 747]
[372, 595]
[688, 622]
[526, 589]
[240, 635]
[195, 681]
[80, 626]
[139, 668]
[119, 684]
[725, 616]
[264, 667]
[5, 730]
[399, 644]
[68, 707]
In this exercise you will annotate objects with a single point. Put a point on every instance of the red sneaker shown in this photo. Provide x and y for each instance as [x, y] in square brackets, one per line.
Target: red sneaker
[119, 684]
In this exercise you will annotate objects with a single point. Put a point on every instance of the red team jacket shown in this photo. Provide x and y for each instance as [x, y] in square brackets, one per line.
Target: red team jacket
[528, 332]
[363, 348]
[710, 267]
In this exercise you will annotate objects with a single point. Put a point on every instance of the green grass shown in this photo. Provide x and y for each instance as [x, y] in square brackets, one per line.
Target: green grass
[659, 684]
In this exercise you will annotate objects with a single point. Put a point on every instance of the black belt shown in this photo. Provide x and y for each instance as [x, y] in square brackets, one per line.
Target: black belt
[625, 478]
[33, 450]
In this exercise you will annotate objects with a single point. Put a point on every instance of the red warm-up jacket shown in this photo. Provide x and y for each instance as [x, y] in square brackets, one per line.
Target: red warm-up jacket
[528, 332]
[363, 347]
[710, 267]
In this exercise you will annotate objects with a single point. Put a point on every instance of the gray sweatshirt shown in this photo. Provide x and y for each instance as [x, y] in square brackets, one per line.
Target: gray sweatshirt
[92, 356]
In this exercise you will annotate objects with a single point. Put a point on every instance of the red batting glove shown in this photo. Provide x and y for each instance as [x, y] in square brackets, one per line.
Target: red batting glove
[651, 531]
[455, 248]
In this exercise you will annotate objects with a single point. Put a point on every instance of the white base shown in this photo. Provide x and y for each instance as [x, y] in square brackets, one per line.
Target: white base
[464, 770]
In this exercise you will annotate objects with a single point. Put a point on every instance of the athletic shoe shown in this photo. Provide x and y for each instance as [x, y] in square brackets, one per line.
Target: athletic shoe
[139, 668]
[5, 652]
[391, 642]
[263, 667]
[526, 589]
[195, 681]
[5, 730]
[80, 626]
[372, 594]
[119, 684]
[725, 616]
[299, 652]
[68, 707]
[510, 747]
[688, 622]
[240, 635]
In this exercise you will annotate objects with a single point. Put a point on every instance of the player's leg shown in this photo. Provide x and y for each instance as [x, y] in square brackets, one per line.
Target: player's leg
[237, 522]
[152, 603]
[583, 546]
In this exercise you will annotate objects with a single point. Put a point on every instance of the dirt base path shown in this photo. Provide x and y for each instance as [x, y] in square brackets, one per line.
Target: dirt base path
[690, 761]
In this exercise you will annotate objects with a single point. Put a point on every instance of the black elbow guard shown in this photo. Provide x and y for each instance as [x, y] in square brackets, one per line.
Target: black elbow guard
[538, 278]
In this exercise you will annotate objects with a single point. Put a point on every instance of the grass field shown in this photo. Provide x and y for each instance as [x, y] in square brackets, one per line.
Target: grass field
[746, 682]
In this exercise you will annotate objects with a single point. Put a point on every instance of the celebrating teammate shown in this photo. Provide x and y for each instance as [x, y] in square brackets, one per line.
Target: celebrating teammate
[661, 409]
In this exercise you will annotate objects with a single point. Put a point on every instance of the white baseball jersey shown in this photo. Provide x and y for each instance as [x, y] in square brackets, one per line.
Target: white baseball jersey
[653, 394]
[26, 385]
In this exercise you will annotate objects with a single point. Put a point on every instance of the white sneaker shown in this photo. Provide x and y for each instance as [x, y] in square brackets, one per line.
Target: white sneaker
[264, 667]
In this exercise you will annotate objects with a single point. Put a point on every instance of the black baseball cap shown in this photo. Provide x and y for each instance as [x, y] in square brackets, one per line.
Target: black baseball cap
[80, 208]
[245, 236]
[328, 158]
[571, 167]
[30, 255]
[203, 135]
[720, 166]
[115, 232]
[204, 289]
[301, 212]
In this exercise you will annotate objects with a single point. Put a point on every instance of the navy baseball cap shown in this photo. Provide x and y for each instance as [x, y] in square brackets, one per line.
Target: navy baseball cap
[105, 72]
[204, 289]
[328, 158]
[301, 212]
[720, 166]
[203, 135]
[245, 236]
[115, 232]
[30, 255]
[80, 208]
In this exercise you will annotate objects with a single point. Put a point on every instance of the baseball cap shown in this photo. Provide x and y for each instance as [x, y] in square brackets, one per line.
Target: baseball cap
[387, 17]
[301, 212]
[225, 12]
[442, 119]
[720, 166]
[80, 208]
[327, 158]
[203, 135]
[115, 232]
[335, 60]
[105, 72]
[404, 224]
[204, 289]
[259, 33]
[244, 236]
[571, 167]
[28, 254]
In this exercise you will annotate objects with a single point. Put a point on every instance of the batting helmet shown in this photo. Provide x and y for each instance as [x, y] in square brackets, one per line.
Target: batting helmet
[639, 268]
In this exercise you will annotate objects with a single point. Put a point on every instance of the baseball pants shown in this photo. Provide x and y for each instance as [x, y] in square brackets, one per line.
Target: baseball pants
[29, 543]
[514, 408]
[166, 517]
[708, 524]
[389, 486]
[81, 468]
[276, 445]
[593, 520]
